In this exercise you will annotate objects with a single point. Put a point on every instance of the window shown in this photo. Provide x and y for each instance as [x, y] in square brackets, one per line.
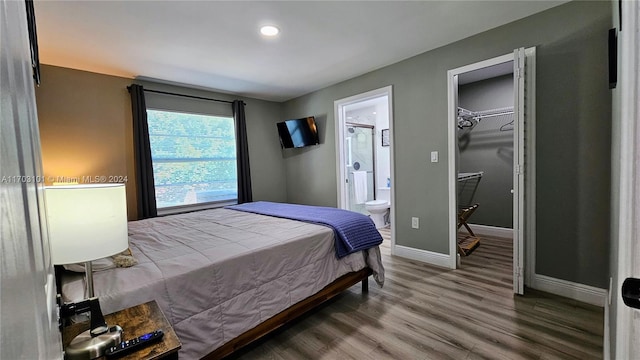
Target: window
[194, 158]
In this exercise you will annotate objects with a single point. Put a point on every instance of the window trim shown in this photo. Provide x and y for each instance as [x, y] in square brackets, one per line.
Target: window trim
[171, 210]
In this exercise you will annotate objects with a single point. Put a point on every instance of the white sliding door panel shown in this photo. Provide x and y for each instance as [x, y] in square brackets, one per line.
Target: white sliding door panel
[518, 168]
[28, 312]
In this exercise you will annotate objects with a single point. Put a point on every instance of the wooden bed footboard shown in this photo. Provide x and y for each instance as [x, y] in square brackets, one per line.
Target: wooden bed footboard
[336, 287]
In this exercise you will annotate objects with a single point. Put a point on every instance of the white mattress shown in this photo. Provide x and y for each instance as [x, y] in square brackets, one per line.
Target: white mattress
[218, 273]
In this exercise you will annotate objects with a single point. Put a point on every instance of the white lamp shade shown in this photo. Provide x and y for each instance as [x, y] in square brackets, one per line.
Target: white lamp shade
[86, 222]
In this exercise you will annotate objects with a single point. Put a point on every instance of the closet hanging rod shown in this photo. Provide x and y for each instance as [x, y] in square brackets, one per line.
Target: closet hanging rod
[462, 112]
[484, 113]
[467, 176]
[494, 111]
[493, 115]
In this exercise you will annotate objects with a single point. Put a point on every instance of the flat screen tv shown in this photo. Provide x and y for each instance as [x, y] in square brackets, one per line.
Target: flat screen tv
[298, 133]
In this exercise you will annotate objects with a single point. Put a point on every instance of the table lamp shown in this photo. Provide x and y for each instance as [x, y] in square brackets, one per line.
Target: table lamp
[88, 222]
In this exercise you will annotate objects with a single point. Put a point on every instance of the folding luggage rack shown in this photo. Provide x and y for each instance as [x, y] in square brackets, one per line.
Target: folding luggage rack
[467, 187]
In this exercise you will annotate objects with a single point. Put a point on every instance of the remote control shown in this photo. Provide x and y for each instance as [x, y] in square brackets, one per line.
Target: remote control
[129, 346]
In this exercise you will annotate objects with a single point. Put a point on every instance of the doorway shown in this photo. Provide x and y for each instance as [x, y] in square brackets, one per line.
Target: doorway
[364, 155]
[360, 165]
[500, 128]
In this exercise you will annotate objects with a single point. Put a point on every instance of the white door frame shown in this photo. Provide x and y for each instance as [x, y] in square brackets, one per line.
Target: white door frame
[340, 120]
[626, 322]
[529, 171]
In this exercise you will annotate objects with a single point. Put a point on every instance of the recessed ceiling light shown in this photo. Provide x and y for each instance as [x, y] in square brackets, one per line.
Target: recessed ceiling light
[269, 30]
[374, 113]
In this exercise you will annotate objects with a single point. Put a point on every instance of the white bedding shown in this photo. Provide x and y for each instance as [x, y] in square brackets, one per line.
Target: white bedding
[218, 273]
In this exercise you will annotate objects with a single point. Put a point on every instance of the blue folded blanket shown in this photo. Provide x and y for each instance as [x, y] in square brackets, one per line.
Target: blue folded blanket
[354, 231]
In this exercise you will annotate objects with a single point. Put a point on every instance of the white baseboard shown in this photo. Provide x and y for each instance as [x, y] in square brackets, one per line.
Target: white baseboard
[490, 230]
[429, 257]
[584, 293]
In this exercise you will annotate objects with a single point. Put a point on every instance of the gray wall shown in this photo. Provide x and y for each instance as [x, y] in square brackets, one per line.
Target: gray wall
[486, 148]
[573, 137]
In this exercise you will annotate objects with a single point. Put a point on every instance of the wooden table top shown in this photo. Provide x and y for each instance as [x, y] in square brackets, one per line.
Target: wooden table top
[136, 321]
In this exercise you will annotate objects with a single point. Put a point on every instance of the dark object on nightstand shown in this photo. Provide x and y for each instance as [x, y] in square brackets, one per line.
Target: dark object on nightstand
[137, 321]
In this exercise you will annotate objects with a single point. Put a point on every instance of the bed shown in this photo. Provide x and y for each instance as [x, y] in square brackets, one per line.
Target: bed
[224, 277]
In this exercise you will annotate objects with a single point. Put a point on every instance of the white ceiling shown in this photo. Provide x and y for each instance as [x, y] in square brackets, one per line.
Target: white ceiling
[217, 45]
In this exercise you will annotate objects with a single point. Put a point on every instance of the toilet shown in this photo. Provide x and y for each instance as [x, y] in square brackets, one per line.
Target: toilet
[378, 209]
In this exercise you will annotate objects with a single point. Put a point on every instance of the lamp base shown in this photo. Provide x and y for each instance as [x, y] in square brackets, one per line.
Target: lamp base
[86, 347]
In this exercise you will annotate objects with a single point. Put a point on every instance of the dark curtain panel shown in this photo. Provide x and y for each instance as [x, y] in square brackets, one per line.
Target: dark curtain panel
[144, 168]
[242, 153]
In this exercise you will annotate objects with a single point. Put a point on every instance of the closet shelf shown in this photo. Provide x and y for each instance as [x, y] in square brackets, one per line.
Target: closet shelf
[471, 175]
[469, 119]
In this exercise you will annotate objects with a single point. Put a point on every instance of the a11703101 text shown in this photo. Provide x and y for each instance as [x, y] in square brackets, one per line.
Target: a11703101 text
[15, 179]
[87, 179]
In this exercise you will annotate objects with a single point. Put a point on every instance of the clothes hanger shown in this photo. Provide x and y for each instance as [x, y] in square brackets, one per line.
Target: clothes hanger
[508, 126]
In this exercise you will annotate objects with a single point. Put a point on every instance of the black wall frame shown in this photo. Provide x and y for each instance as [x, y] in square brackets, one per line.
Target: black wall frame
[33, 40]
[613, 58]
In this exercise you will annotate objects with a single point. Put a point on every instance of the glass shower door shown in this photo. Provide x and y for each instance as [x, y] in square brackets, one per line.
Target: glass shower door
[360, 166]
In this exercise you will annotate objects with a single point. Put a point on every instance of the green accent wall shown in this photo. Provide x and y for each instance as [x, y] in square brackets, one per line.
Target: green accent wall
[86, 129]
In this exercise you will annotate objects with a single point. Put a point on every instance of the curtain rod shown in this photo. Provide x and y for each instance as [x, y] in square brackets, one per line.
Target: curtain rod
[187, 96]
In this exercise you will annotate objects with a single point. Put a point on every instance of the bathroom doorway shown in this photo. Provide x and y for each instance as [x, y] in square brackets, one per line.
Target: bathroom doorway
[364, 154]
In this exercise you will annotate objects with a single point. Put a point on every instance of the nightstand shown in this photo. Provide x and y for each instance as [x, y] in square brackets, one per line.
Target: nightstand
[135, 321]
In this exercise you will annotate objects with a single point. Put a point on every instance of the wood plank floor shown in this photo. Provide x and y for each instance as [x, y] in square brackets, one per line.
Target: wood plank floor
[425, 312]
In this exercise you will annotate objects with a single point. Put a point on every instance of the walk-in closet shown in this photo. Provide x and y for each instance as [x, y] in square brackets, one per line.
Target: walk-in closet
[485, 118]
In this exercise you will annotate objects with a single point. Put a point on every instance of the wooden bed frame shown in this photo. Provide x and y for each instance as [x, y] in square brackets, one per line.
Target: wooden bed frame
[336, 287]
